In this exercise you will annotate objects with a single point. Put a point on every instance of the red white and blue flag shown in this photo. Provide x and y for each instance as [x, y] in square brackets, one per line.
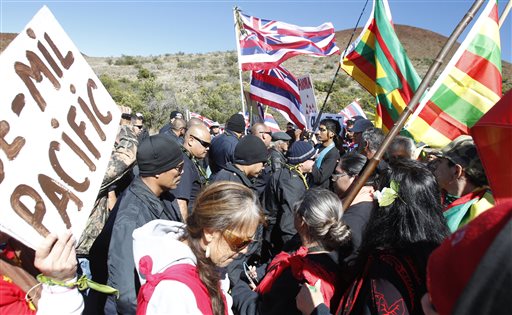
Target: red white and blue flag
[265, 44]
[206, 121]
[278, 88]
[353, 109]
[271, 123]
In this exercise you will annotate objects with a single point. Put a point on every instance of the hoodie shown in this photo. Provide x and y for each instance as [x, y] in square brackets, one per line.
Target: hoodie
[160, 239]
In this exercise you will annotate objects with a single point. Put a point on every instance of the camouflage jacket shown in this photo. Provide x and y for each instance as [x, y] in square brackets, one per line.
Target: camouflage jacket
[121, 162]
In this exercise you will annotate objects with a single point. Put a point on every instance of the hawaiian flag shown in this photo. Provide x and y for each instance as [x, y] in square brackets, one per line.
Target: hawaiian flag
[278, 88]
[265, 44]
[379, 63]
[271, 123]
[353, 109]
[466, 89]
[208, 122]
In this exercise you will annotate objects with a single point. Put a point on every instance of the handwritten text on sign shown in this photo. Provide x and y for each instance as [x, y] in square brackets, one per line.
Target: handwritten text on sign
[57, 128]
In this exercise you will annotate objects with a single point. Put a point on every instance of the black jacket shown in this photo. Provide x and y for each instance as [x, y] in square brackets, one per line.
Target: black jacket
[283, 191]
[232, 174]
[321, 177]
[277, 160]
[112, 251]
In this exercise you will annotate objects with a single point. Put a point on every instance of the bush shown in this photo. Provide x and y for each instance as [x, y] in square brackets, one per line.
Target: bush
[126, 61]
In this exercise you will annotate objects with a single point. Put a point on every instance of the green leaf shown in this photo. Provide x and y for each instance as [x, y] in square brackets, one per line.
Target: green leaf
[395, 186]
[388, 196]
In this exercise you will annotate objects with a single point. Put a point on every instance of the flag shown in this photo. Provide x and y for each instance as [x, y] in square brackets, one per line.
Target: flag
[466, 89]
[265, 44]
[278, 88]
[492, 134]
[351, 110]
[379, 63]
[271, 123]
[208, 122]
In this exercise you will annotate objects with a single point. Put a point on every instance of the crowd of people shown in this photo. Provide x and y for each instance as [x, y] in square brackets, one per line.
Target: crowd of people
[200, 220]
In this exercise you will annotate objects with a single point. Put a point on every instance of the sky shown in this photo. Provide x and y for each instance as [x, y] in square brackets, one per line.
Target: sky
[143, 28]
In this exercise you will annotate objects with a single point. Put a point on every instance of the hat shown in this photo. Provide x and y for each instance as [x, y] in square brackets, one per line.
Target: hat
[300, 151]
[463, 151]
[361, 125]
[176, 114]
[250, 150]
[236, 123]
[215, 125]
[283, 136]
[158, 154]
[452, 265]
[139, 116]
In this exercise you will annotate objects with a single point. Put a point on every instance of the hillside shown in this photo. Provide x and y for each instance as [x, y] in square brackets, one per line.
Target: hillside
[209, 83]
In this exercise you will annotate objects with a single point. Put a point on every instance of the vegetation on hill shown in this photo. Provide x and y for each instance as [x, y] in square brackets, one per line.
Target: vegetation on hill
[209, 83]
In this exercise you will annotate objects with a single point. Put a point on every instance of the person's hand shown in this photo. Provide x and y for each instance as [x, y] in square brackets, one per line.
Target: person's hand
[307, 166]
[309, 298]
[126, 115]
[56, 257]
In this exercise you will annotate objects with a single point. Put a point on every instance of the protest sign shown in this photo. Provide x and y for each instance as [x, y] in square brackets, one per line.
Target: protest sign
[307, 97]
[338, 117]
[57, 128]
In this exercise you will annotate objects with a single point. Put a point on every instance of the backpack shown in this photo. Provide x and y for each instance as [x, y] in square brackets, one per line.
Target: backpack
[184, 273]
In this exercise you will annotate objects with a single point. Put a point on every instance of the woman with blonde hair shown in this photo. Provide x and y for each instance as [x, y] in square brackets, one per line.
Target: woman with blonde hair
[179, 265]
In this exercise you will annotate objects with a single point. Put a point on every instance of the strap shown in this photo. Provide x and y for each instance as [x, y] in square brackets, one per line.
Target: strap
[295, 168]
[82, 284]
[322, 154]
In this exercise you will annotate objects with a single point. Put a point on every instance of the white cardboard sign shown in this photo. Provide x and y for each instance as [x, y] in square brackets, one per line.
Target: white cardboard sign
[307, 97]
[57, 128]
[312, 118]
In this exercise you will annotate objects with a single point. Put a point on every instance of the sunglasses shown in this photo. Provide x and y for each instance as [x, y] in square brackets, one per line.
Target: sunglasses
[205, 144]
[335, 177]
[179, 168]
[139, 126]
[235, 242]
[267, 132]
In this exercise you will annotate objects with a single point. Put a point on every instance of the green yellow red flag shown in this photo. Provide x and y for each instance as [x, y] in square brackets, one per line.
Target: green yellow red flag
[467, 88]
[380, 64]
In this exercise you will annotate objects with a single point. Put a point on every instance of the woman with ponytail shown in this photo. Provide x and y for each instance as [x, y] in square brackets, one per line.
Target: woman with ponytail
[322, 233]
[180, 265]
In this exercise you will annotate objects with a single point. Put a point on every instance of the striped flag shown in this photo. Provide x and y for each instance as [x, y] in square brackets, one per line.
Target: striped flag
[278, 88]
[379, 63]
[467, 88]
[271, 122]
[206, 121]
[265, 44]
[352, 109]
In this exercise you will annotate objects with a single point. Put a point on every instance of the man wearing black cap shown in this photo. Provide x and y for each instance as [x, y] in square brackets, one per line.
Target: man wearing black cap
[174, 114]
[278, 148]
[223, 146]
[285, 187]
[160, 164]
[249, 157]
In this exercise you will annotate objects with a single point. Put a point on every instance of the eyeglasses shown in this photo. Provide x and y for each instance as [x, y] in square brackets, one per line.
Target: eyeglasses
[335, 177]
[139, 126]
[267, 132]
[205, 144]
[179, 168]
[235, 242]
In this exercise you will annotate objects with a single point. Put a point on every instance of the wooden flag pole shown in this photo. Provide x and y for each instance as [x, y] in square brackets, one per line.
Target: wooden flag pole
[413, 103]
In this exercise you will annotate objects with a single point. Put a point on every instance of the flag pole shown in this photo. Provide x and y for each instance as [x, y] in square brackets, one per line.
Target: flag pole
[237, 35]
[413, 103]
[506, 11]
[317, 120]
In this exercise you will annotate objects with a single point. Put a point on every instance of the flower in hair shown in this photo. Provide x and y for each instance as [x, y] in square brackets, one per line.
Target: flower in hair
[388, 194]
